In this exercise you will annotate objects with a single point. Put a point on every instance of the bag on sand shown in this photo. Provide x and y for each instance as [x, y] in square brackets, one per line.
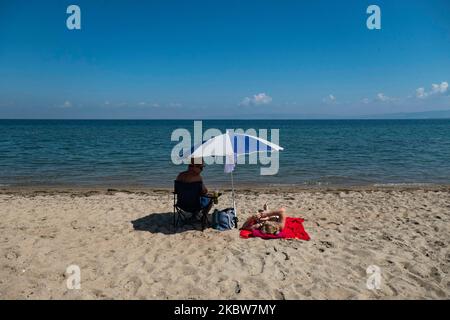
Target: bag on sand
[224, 219]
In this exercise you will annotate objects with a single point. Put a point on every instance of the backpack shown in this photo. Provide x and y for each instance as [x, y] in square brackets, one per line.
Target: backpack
[224, 219]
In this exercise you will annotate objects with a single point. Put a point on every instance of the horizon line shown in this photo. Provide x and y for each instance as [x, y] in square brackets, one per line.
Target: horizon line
[221, 119]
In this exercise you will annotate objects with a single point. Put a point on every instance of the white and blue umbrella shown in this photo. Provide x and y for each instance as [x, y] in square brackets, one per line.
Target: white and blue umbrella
[231, 145]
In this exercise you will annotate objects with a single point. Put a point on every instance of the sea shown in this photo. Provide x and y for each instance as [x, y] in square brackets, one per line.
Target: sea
[117, 153]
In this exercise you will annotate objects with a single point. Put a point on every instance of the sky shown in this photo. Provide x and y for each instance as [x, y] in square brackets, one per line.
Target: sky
[222, 59]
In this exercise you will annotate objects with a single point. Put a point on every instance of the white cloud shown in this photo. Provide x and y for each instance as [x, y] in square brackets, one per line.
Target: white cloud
[420, 93]
[440, 88]
[246, 101]
[436, 89]
[262, 98]
[154, 105]
[257, 99]
[66, 104]
[384, 98]
[329, 99]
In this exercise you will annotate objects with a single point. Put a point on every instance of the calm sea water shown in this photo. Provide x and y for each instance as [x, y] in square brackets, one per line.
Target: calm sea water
[137, 153]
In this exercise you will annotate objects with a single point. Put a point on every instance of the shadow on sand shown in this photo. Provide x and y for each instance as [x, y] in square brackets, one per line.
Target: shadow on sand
[163, 223]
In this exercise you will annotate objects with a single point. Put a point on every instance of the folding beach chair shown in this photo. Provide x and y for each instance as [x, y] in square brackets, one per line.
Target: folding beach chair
[186, 200]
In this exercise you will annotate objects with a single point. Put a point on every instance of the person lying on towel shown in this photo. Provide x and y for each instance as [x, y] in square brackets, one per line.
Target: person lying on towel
[268, 222]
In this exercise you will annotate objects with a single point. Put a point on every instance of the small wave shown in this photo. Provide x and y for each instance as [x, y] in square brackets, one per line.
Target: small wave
[337, 181]
[405, 184]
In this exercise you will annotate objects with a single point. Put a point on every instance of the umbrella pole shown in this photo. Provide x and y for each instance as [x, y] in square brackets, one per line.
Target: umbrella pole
[234, 203]
[232, 191]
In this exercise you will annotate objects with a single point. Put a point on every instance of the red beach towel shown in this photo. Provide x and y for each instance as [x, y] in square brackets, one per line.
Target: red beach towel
[293, 229]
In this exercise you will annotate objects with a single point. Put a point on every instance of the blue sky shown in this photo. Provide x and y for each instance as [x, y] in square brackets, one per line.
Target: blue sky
[203, 59]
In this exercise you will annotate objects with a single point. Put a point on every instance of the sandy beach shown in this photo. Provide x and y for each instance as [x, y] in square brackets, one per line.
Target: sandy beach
[125, 246]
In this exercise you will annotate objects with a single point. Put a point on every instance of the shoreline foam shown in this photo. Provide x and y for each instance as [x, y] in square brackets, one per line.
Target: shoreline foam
[249, 188]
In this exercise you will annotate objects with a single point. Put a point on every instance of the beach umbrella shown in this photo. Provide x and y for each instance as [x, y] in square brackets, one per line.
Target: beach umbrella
[231, 145]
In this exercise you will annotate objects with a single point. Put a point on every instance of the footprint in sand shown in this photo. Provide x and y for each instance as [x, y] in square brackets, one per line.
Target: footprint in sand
[133, 285]
[327, 244]
[279, 295]
[12, 255]
[237, 289]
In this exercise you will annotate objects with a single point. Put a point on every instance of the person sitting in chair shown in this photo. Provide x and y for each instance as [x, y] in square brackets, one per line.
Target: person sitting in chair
[193, 174]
